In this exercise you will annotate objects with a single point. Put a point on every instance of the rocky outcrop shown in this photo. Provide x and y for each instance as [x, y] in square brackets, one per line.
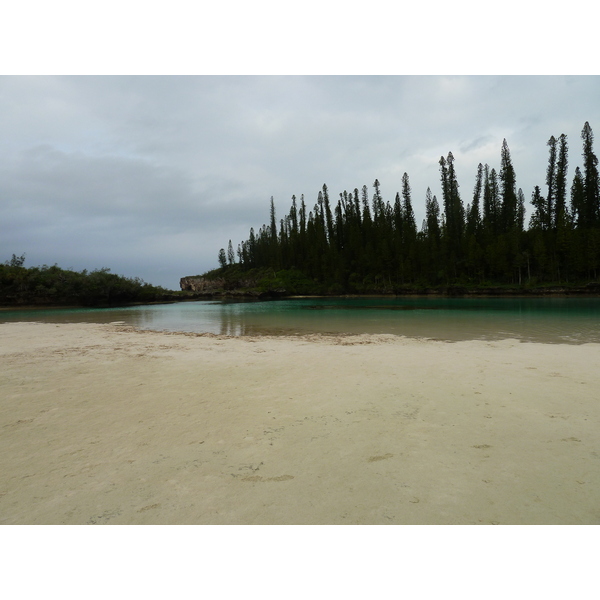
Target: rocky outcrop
[250, 287]
[201, 285]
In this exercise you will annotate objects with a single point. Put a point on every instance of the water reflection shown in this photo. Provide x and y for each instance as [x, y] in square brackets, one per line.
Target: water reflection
[563, 320]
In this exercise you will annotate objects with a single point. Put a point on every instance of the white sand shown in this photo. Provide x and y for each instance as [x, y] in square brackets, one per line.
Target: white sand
[104, 424]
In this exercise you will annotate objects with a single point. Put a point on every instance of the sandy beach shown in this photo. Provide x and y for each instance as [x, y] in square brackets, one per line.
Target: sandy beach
[104, 424]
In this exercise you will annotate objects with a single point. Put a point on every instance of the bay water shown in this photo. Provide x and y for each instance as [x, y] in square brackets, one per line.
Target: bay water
[548, 320]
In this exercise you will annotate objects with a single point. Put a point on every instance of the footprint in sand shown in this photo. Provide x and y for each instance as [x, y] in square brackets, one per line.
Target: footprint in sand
[150, 507]
[382, 457]
[257, 478]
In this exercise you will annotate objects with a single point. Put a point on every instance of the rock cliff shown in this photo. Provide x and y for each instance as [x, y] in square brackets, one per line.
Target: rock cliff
[248, 287]
[201, 285]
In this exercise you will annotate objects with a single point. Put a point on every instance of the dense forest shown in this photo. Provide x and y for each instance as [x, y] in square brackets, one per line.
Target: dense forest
[55, 286]
[361, 243]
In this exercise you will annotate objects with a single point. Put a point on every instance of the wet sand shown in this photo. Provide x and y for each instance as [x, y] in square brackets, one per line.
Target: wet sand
[104, 424]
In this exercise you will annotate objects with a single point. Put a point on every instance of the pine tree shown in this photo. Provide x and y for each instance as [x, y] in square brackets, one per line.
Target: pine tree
[590, 178]
[433, 236]
[365, 205]
[453, 211]
[473, 214]
[252, 248]
[578, 199]
[578, 215]
[302, 217]
[491, 224]
[521, 210]
[409, 230]
[222, 258]
[509, 192]
[377, 202]
[327, 212]
[357, 210]
[398, 216]
[551, 183]
[539, 217]
[494, 205]
[487, 217]
[407, 209]
[561, 212]
[339, 224]
[453, 219]
[273, 227]
[294, 216]
[432, 216]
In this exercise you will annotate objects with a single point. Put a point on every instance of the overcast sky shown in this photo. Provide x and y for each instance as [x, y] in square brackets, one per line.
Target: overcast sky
[151, 176]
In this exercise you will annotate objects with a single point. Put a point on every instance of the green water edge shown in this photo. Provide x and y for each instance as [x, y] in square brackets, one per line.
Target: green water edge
[544, 319]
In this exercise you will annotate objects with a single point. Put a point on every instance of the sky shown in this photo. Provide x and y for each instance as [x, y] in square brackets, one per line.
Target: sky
[149, 167]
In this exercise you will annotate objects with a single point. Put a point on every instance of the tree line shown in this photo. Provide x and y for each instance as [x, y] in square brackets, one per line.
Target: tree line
[51, 285]
[360, 243]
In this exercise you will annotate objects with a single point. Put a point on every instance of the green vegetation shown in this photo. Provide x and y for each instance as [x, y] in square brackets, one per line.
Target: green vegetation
[235, 279]
[365, 245]
[55, 286]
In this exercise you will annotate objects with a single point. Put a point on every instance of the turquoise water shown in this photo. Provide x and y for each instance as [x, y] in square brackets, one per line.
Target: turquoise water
[549, 320]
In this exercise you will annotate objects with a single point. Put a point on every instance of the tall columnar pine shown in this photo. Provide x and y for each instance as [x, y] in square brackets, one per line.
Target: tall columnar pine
[578, 199]
[486, 219]
[408, 215]
[521, 210]
[473, 212]
[432, 238]
[539, 216]
[377, 202]
[473, 229]
[273, 223]
[491, 203]
[222, 258]
[432, 216]
[398, 216]
[252, 248]
[339, 221]
[327, 210]
[409, 231]
[343, 204]
[591, 184]
[294, 216]
[453, 217]
[509, 190]
[319, 210]
[551, 183]
[302, 216]
[453, 209]
[365, 206]
[561, 213]
[357, 210]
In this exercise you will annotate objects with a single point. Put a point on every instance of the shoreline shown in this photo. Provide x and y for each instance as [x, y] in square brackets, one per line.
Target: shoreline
[242, 296]
[482, 293]
[108, 424]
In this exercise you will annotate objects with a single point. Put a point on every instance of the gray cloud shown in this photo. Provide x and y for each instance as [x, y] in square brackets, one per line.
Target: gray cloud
[152, 175]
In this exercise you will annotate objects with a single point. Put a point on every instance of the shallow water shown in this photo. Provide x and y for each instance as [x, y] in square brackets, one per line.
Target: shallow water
[549, 320]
